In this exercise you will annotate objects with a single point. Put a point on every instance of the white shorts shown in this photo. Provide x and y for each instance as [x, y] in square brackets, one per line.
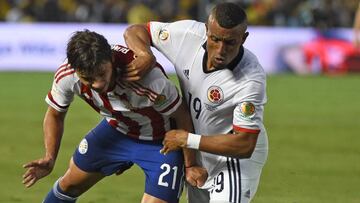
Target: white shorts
[235, 181]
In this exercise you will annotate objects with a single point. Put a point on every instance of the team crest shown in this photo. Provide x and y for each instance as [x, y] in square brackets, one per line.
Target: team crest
[215, 94]
[83, 146]
[247, 109]
[164, 34]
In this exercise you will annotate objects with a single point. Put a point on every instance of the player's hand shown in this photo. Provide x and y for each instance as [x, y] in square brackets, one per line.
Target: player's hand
[36, 170]
[196, 175]
[174, 140]
[139, 67]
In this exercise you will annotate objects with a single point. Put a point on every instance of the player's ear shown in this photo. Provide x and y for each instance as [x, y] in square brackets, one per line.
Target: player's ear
[246, 34]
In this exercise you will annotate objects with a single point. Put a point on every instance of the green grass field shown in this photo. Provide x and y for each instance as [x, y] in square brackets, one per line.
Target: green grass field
[313, 124]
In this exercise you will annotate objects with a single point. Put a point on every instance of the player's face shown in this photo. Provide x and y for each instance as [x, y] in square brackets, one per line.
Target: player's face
[101, 82]
[223, 44]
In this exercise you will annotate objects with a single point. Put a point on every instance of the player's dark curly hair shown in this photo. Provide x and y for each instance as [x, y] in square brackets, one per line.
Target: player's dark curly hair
[86, 51]
[228, 15]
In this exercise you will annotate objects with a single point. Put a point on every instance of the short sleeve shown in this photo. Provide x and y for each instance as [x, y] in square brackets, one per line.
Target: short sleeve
[165, 96]
[249, 102]
[168, 100]
[61, 94]
[168, 38]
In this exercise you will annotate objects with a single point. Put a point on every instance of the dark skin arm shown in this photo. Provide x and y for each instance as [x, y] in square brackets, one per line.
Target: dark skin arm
[238, 145]
[53, 128]
[138, 40]
[195, 175]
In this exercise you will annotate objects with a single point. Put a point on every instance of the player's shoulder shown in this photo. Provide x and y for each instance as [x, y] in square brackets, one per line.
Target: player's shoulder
[184, 26]
[193, 27]
[122, 54]
[156, 74]
[156, 79]
[250, 67]
[192, 24]
[249, 57]
[65, 74]
[251, 78]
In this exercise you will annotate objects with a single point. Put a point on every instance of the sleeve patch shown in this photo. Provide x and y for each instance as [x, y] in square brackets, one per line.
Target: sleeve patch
[164, 34]
[247, 109]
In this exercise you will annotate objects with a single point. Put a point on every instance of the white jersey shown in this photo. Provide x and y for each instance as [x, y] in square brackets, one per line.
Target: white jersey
[220, 101]
[138, 109]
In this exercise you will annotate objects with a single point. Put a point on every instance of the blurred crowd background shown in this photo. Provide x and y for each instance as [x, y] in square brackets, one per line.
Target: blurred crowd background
[290, 13]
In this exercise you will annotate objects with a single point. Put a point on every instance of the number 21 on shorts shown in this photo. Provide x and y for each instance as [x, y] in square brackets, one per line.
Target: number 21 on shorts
[168, 171]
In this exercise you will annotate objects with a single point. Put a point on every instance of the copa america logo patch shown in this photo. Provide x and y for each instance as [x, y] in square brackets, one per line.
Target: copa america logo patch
[83, 146]
[215, 94]
[247, 109]
[163, 34]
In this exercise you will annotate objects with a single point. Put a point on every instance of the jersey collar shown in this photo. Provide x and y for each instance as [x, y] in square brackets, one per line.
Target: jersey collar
[231, 65]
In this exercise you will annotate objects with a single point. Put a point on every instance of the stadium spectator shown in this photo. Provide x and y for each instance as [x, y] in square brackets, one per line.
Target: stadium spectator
[4, 8]
[295, 13]
[51, 12]
[224, 85]
[136, 117]
[140, 13]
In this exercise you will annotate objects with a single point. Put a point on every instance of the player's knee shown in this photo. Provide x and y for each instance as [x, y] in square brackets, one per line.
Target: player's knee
[67, 187]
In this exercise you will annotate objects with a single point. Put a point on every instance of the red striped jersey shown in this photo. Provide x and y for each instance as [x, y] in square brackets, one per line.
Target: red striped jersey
[138, 109]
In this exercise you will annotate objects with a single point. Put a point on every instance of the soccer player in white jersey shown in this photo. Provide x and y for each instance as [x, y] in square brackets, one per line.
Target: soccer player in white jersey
[224, 86]
[136, 117]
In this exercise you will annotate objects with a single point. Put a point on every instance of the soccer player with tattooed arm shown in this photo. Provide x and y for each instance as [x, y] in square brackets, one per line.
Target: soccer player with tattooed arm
[225, 89]
[136, 117]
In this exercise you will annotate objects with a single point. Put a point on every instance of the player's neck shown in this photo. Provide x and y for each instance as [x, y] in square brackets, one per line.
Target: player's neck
[112, 81]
